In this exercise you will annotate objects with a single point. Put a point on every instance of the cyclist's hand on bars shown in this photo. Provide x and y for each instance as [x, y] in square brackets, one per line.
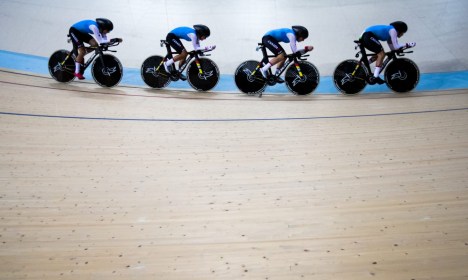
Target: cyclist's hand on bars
[300, 52]
[308, 48]
[304, 50]
[410, 45]
[210, 48]
[114, 40]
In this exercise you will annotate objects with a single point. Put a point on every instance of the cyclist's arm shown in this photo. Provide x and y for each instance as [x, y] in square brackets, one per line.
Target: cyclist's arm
[292, 42]
[393, 41]
[101, 39]
[195, 41]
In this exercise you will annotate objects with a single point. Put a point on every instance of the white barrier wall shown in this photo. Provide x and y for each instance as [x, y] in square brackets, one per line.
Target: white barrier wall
[439, 27]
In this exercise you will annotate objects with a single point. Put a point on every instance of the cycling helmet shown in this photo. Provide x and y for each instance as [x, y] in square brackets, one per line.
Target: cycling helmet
[400, 26]
[202, 30]
[300, 31]
[104, 24]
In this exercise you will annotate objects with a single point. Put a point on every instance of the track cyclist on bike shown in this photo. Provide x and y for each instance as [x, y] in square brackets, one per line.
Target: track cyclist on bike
[90, 32]
[286, 35]
[198, 33]
[374, 34]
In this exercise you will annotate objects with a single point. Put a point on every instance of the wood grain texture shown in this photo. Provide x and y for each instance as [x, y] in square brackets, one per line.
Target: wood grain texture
[132, 183]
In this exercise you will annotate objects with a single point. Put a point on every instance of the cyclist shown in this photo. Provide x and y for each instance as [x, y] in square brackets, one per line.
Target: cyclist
[198, 33]
[371, 40]
[286, 35]
[90, 32]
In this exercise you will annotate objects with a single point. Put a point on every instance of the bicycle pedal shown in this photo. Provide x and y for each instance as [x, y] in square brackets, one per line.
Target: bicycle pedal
[279, 80]
[379, 81]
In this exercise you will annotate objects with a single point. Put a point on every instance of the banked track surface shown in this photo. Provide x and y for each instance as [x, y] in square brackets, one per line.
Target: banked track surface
[133, 182]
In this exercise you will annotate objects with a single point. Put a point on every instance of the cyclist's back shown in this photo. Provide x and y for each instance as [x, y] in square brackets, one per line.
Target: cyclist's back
[381, 32]
[183, 33]
[281, 34]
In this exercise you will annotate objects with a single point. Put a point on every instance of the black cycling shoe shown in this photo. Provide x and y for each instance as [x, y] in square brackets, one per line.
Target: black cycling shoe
[182, 77]
[279, 80]
[379, 81]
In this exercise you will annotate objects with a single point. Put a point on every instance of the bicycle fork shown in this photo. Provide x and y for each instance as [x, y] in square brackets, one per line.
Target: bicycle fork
[204, 75]
[355, 69]
[256, 69]
[298, 68]
[66, 58]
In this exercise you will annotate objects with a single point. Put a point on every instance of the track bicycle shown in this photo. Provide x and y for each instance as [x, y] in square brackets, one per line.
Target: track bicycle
[401, 74]
[106, 69]
[202, 73]
[301, 77]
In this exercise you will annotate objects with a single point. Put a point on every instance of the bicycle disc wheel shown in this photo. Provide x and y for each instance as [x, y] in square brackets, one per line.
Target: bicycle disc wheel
[245, 81]
[305, 84]
[206, 80]
[347, 83]
[153, 73]
[60, 69]
[402, 75]
[109, 74]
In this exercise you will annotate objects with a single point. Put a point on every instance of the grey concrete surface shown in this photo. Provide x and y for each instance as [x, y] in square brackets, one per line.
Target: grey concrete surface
[440, 27]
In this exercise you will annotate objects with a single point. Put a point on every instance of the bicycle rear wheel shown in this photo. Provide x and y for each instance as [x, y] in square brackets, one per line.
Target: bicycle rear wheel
[108, 74]
[402, 75]
[305, 84]
[153, 72]
[245, 81]
[61, 68]
[205, 79]
[345, 81]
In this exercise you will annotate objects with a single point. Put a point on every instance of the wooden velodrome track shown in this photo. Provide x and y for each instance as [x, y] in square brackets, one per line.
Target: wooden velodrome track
[133, 183]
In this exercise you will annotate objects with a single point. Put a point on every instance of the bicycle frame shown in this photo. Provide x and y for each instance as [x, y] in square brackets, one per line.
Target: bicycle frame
[389, 56]
[290, 59]
[191, 55]
[98, 51]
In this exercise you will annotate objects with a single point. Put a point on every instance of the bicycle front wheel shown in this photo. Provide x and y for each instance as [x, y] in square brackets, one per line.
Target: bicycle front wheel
[203, 74]
[153, 73]
[62, 66]
[303, 81]
[402, 75]
[347, 82]
[245, 81]
[107, 70]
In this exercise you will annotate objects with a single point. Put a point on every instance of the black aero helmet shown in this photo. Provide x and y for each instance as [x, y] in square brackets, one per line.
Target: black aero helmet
[202, 30]
[104, 24]
[400, 26]
[300, 31]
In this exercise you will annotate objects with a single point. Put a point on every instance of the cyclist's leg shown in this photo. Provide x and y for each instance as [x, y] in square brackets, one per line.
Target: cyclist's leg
[92, 43]
[177, 45]
[77, 39]
[273, 45]
[181, 57]
[371, 43]
[281, 59]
